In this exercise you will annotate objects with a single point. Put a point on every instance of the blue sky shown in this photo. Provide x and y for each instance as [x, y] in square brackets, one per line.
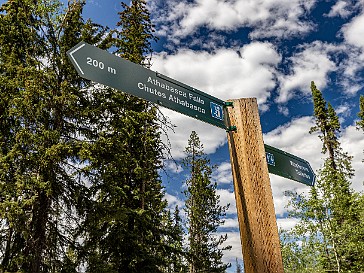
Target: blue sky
[270, 50]
[266, 49]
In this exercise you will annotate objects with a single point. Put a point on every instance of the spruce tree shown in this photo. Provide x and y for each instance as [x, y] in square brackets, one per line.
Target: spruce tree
[125, 227]
[204, 213]
[136, 34]
[300, 252]
[176, 261]
[360, 123]
[330, 214]
[40, 107]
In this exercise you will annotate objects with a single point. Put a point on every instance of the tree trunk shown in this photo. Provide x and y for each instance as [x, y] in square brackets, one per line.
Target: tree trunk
[37, 243]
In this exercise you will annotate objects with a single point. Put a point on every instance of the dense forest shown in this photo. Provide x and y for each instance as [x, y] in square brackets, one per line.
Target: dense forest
[80, 185]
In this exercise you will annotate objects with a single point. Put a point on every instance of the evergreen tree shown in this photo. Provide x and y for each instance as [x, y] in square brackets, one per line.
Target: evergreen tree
[330, 214]
[204, 213]
[360, 123]
[176, 262]
[300, 252]
[135, 37]
[40, 105]
[126, 227]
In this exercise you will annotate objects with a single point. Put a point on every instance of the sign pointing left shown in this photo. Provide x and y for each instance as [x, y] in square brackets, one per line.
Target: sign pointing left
[100, 66]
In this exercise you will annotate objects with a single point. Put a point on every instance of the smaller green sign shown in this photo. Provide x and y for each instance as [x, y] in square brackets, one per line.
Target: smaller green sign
[289, 166]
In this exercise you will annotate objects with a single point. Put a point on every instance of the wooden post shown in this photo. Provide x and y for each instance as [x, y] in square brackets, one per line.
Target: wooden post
[253, 193]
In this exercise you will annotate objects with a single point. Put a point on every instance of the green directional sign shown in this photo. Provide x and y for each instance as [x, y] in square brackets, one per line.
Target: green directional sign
[289, 166]
[100, 66]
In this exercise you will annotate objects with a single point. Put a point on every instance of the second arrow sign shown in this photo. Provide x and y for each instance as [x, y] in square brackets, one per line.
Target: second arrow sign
[289, 166]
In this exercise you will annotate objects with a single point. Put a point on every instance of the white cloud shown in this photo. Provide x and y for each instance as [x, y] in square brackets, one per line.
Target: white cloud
[294, 137]
[227, 197]
[224, 74]
[352, 141]
[223, 173]
[283, 110]
[344, 111]
[211, 137]
[233, 239]
[354, 31]
[173, 201]
[267, 18]
[172, 166]
[341, 8]
[313, 63]
[282, 18]
[287, 223]
[345, 8]
[231, 223]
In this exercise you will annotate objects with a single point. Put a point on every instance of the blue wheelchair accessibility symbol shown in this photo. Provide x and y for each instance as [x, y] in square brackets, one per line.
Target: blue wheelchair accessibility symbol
[270, 159]
[217, 111]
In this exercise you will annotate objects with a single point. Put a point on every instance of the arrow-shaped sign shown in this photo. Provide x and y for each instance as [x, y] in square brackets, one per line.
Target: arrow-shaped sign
[289, 166]
[100, 66]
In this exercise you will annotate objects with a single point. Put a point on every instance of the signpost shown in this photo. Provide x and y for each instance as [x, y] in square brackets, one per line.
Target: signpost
[289, 166]
[250, 158]
[253, 192]
[100, 66]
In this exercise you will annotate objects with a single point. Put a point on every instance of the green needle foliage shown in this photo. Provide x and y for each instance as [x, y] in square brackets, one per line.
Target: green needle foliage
[126, 228]
[176, 262]
[79, 183]
[300, 252]
[135, 34]
[330, 232]
[40, 109]
[204, 213]
[360, 123]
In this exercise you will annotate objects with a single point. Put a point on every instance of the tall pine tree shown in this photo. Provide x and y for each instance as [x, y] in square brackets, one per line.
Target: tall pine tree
[125, 227]
[330, 214]
[204, 213]
[40, 107]
[360, 123]
[176, 261]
